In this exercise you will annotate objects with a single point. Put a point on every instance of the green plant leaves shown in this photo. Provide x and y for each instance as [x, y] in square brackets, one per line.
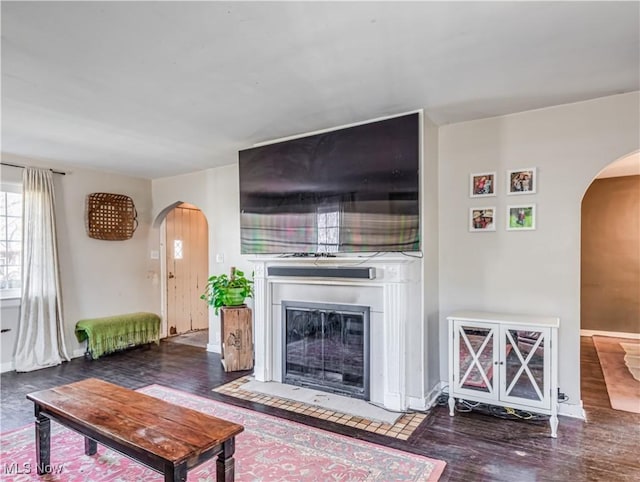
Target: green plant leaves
[218, 286]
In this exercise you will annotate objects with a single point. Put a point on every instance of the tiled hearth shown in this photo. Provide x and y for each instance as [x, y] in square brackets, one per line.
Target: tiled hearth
[401, 429]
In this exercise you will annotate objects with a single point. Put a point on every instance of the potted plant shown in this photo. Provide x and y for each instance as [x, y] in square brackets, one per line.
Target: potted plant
[223, 290]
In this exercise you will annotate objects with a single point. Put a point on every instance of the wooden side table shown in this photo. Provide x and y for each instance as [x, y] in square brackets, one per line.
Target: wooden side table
[236, 330]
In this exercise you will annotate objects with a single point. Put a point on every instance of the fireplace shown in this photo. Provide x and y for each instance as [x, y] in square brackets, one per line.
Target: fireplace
[394, 352]
[326, 347]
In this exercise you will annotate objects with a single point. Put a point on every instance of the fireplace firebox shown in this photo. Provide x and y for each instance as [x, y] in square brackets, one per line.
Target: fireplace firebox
[326, 347]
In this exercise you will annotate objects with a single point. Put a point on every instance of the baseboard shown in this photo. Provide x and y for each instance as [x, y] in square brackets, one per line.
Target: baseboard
[214, 348]
[419, 404]
[78, 353]
[613, 334]
[565, 409]
[572, 410]
[11, 366]
[429, 400]
[393, 402]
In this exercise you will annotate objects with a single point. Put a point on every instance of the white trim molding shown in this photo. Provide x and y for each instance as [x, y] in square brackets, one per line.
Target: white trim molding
[10, 366]
[79, 353]
[565, 409]
[572, 410]
[429, 400]
[613, 334]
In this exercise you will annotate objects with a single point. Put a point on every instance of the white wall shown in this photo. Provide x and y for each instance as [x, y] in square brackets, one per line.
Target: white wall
[535, 272]
[217, 193]
[430, 250]
[531, 272]
[99, 278]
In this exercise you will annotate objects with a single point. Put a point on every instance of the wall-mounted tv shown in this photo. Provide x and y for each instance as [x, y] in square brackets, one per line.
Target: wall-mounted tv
[349, 190]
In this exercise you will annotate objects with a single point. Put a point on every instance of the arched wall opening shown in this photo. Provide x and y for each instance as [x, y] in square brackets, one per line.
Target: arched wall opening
[610, 283]
[610, 249]
[184, 264]
[157, 222]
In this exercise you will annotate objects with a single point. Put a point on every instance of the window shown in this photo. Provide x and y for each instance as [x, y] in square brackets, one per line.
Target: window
[177, 249]
[10, 242]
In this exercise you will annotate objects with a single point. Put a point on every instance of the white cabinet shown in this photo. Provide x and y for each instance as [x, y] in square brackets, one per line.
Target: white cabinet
[505, 360]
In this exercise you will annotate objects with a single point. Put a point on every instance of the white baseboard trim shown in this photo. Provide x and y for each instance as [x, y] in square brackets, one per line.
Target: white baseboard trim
[7, 367]
[565, 409]
[394, 402]
[11, 366]
[428, 401]
[436, 391]
[419, 404]
[214, 348]
[78, 353]
[572, 410]
[614, 334]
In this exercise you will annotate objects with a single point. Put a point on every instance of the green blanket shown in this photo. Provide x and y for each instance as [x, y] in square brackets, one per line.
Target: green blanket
[112, 333]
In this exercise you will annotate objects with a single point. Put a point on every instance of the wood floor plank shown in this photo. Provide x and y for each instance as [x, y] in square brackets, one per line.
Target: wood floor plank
[476, 447]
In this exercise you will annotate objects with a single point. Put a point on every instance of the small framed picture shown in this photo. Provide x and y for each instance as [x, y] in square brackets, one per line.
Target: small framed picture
[521, 217]
[482, 219]
[482, 184]
[522, 181]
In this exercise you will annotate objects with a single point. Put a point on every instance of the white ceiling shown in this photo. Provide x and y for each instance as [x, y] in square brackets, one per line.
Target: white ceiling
[154, 89]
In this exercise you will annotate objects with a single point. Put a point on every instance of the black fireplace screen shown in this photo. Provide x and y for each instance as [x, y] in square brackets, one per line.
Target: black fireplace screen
[326, 347]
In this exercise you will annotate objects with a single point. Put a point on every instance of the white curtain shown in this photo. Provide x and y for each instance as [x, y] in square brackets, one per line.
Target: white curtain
[41, 330]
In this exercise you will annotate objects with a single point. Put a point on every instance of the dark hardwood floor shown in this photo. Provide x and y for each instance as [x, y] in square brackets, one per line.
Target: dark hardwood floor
[476, 447]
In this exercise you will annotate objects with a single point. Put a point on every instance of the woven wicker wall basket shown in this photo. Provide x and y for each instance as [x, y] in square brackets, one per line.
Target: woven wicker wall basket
[111, 217]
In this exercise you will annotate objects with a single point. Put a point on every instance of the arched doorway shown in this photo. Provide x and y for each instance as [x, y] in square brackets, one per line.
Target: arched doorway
[186, 261]
[610, 283]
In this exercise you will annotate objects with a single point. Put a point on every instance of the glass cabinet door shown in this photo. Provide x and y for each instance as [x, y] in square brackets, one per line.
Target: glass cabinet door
[476, 360]
[525, 365]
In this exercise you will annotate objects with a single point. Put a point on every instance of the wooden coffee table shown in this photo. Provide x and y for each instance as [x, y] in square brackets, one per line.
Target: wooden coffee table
[163, 436]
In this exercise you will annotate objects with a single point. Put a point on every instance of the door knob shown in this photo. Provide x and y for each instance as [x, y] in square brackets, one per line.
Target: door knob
[171, 275]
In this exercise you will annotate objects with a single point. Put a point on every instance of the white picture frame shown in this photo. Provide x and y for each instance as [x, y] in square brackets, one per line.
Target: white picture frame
[482, 219]
[522, 181]
[521, 217]
[482, 184]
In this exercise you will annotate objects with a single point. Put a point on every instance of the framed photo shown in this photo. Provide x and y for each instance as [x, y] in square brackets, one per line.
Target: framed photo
[482, 184]
[522, 181]
[521, 217]
[482, 219]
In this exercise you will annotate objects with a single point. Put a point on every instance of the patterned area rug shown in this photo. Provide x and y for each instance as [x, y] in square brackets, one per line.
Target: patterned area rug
[632, 358]
[622, 387]
[270, 449]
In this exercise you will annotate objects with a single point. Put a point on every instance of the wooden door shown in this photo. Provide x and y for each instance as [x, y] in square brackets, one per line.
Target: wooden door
[187, 242]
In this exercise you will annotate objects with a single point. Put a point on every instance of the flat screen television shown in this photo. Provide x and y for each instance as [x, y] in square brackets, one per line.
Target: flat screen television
[349, 190]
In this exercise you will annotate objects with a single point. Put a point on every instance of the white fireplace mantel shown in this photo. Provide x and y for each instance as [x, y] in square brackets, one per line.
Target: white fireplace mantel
[394, 297]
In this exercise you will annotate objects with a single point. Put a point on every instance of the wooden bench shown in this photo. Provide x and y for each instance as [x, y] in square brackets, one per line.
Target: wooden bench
[160, 435]
[112, 333]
